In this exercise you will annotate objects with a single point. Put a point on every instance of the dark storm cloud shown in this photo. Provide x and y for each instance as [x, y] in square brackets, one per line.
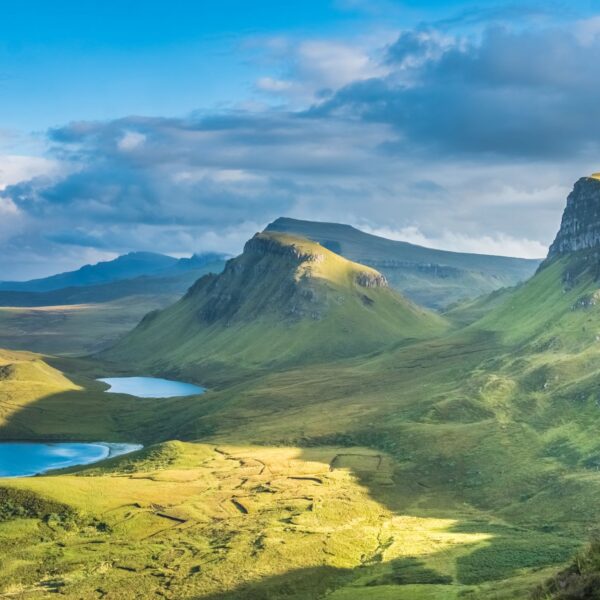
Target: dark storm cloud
[519, 94]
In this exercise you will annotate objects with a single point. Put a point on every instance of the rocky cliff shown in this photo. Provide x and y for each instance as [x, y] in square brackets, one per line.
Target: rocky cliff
[278, 274]
[580, 226]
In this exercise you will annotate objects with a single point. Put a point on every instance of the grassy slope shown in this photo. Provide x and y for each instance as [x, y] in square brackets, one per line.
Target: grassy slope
[468, 467]
[430, 277]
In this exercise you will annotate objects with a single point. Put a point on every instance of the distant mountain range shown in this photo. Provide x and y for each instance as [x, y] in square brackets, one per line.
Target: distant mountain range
[133, 274]
[432, 278]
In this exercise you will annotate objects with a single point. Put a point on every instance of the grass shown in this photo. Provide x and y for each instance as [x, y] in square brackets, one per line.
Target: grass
[458, 465]
[212, 519]
[74, 330]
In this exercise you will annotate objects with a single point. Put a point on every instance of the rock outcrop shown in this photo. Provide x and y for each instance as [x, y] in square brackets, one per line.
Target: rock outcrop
[371, 280]
[580, 226]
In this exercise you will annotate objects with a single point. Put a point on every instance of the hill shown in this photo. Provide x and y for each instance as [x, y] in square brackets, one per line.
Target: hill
[131, 274]
[285, 300]
[432, 278]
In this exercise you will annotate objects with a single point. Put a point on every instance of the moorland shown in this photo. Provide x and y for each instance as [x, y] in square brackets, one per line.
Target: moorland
[354, 443]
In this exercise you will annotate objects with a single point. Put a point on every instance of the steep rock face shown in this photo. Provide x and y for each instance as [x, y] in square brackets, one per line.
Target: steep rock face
[270, 276]
[580, 226]
[262, 244]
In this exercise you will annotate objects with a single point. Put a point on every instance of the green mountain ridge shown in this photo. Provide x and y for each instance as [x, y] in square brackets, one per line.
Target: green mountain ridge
[284, 300]
[430, 277]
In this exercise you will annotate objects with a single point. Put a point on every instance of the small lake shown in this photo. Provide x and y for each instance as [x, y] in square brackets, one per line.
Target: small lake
[24, 459]
[151, 387]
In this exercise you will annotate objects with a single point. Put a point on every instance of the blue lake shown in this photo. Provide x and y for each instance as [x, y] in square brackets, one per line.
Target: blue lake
[151, 387]
[24, 459]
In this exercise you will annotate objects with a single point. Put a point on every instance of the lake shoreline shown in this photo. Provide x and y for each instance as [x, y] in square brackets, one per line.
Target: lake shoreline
[60, 455]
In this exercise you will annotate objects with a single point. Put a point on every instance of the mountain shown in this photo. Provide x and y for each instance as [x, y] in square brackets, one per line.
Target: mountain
[171, 281]
[560, 302]
[580, 225]
[350, 446]
[432, 278]
[127, 267]
[285, 300]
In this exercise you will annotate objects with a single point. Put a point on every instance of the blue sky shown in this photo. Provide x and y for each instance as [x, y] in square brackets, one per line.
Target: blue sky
[185, 126]
[69, 60]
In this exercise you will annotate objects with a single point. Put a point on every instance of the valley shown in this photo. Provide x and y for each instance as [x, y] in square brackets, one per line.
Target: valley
[350, 445]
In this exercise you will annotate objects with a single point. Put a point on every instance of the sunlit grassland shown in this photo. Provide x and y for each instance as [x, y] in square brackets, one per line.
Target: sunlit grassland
[197, 520]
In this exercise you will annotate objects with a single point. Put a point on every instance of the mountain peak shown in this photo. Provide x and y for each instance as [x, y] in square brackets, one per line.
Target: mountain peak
[280, 244]
[580, 225]
[295, 271]
[313, 260]
[285, 299]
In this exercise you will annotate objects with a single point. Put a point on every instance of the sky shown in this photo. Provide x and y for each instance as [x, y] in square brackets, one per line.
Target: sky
[187, 126]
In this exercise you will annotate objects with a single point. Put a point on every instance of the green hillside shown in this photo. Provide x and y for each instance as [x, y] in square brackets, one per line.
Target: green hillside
[352, 447]
[443, 468]
[284, 301]
[433, 278]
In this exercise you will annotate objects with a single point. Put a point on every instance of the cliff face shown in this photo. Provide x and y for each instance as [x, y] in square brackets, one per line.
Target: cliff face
[279, 275]
[580, 226]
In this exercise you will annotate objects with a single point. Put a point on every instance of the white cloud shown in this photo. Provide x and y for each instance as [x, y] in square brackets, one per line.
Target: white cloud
[131, 140]
[500, 244]
[15, 168]
[307, 67]
[276, 86]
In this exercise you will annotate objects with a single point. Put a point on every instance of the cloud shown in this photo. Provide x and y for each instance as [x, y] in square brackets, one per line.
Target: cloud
[465, 141]
[312, 68]
[512, 93]
[499, 244]
[15, 168]
[131, 140]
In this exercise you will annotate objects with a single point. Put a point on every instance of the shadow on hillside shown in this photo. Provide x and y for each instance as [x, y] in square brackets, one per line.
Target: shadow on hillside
[317, 582]
[412, 492]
